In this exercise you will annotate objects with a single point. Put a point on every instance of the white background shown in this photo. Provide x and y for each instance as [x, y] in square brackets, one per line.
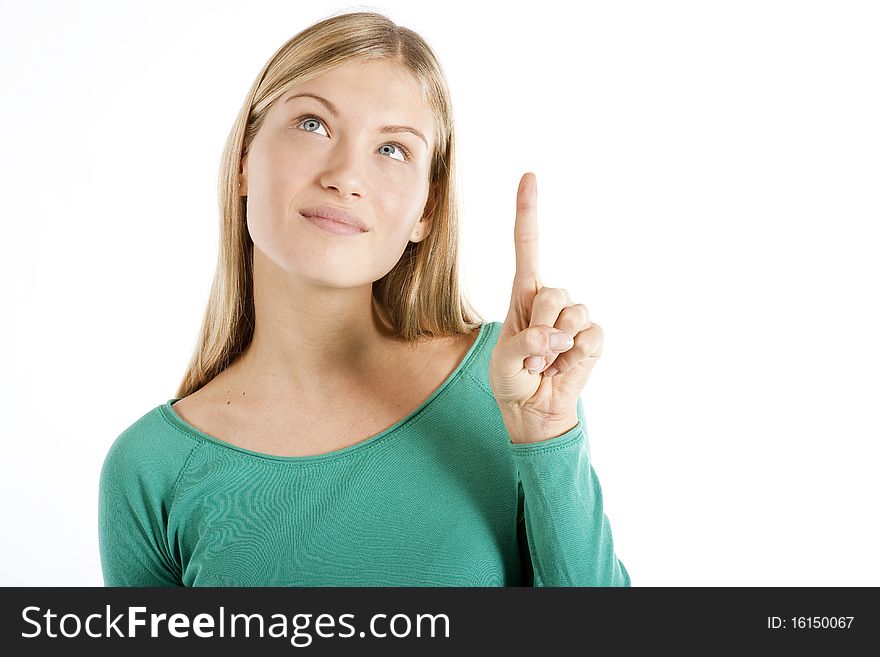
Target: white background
[708, 187]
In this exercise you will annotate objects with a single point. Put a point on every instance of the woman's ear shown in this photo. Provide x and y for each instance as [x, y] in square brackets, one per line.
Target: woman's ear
[423, 227]
[242, 175]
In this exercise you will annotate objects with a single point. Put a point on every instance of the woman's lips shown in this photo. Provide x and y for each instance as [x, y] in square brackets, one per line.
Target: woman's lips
[335, 227]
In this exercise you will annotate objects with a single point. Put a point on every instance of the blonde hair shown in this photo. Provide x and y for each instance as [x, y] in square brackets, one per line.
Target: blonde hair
[421, 296]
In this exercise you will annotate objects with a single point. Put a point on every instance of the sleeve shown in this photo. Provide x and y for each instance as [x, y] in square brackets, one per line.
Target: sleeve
[135, 492]
[562, 529]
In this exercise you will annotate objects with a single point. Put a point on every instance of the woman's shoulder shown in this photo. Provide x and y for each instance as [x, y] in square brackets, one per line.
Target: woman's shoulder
[481, 350]
[150, 448]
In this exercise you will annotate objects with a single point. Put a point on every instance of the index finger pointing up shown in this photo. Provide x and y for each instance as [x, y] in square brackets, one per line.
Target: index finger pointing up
[525, 231]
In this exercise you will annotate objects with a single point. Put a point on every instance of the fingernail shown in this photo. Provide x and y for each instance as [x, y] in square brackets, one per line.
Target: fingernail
[550, 371]
[560, 341]
[535, 363]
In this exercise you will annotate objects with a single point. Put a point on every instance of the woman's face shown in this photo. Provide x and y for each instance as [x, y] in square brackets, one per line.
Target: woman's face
[305, 156]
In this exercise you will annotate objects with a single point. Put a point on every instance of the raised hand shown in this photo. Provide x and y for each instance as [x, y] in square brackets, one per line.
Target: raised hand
[536, 381]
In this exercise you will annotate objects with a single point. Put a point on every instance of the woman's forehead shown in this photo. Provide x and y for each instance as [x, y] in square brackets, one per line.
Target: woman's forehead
[388, 97]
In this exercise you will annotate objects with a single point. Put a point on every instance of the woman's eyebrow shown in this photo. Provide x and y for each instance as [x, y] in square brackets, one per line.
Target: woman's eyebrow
[335, 112]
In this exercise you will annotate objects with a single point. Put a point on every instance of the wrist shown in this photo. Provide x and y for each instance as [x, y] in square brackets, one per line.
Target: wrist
[530, 429]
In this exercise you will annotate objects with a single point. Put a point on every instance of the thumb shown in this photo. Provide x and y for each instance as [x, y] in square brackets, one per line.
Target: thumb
[532, 341]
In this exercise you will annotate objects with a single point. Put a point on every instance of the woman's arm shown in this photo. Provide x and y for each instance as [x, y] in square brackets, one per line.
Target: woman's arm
[135, 492]
[561, 519]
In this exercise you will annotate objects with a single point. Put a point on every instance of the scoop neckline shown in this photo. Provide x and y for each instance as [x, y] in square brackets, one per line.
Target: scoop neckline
[178, 422]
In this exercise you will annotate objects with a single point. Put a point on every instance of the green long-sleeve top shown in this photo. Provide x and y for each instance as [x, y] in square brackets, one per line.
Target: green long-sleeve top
[441, 498]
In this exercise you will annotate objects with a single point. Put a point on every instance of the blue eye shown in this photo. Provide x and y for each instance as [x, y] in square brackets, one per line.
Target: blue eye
[309, 118]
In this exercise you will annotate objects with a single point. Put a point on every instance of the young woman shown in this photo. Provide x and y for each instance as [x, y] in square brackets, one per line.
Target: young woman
[347, 418]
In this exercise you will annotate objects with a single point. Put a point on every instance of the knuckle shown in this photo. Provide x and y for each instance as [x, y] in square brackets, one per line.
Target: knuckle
[537, 340]
[525, 237]
[585, 313]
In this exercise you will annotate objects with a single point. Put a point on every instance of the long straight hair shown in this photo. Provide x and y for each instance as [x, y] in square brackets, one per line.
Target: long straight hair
[421, 297]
